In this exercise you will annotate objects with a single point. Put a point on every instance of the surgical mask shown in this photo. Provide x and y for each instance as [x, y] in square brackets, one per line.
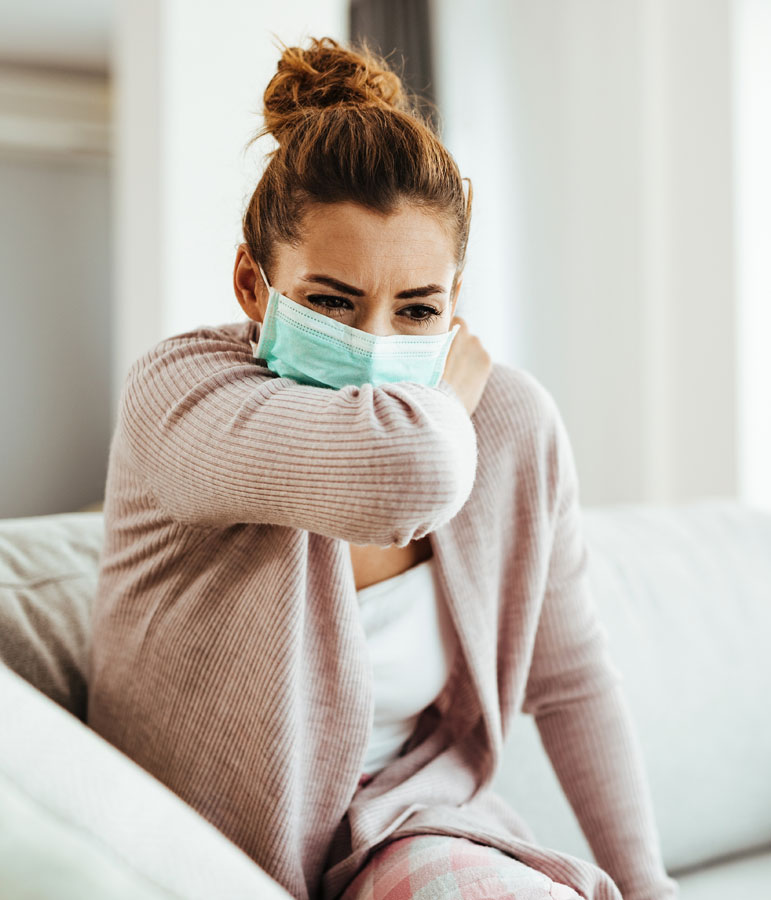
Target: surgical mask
[300, 343]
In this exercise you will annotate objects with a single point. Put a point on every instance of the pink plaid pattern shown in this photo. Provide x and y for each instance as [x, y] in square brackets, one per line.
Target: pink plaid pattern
[440, 867]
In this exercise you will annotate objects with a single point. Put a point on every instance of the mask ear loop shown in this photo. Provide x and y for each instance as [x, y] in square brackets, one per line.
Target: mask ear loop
[254, 346]
[264, 278]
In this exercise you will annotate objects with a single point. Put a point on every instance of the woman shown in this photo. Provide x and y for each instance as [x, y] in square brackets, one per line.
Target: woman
[343, 548]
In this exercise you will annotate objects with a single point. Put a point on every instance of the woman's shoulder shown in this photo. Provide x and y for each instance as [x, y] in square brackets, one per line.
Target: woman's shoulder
[237, 333]
[516, 396]
[199, 348]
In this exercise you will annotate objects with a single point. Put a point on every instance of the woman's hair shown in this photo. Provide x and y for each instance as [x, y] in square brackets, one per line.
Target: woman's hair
[348, 130]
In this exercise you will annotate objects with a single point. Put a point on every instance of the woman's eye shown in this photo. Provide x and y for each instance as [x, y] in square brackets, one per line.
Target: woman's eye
[427, 313]
[322, 300]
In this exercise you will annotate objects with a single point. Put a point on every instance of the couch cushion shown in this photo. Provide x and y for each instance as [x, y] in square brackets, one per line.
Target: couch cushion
[48, 571]
[743, 876]
[685, 594]
[77, 813]
[683, 591]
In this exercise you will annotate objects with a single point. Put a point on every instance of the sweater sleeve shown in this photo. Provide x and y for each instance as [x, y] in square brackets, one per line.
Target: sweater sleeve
[218, 441]
[575, 693]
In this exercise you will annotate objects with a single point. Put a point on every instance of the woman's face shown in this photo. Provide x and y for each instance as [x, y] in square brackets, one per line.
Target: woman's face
[382, 274]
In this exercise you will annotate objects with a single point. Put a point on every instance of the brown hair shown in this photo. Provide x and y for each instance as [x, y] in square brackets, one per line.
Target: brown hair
[348, 129]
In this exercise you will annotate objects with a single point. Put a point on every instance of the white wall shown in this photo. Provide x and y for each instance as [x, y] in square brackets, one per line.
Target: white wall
[55, 262]
[110, 242]
[55, 352]
[752, 104]
[189, 81]
[619, 248]
[603, 257]
[687, 262]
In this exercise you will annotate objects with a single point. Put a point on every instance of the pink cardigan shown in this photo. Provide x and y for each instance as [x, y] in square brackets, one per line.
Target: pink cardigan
[228, 658]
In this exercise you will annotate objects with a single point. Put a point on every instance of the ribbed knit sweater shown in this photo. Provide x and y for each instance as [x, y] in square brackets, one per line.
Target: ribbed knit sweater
[228, 658]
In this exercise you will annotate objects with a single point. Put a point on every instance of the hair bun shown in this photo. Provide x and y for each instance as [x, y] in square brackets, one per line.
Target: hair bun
[327, 74]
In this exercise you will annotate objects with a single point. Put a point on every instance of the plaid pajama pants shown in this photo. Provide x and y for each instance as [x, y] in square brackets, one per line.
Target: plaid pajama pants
[443, 867]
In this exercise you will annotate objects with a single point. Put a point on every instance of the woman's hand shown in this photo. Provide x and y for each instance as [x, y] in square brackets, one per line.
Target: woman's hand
[468, 365]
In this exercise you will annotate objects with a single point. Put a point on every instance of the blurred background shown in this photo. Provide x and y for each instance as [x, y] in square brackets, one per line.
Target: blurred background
[619, 246]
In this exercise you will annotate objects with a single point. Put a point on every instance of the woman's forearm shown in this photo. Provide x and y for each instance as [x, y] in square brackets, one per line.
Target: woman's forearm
[595, 752]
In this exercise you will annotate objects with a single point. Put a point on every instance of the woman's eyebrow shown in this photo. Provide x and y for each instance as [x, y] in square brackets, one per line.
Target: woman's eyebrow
[344, 288]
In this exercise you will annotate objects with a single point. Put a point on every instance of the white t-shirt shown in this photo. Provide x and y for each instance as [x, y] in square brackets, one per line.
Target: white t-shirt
[411, 644]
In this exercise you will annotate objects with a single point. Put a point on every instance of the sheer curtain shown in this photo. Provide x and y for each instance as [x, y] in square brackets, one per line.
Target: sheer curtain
[403, 26]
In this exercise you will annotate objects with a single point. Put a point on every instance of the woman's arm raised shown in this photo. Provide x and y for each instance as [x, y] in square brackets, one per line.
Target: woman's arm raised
[217, 442]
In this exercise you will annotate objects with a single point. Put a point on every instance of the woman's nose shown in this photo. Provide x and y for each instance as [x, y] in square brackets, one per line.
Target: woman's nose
[375, 322]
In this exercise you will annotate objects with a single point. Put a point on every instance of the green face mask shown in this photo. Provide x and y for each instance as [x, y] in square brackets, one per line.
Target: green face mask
[300, 343]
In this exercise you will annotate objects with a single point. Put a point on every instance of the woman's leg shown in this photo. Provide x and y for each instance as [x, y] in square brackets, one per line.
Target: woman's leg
[442, 867]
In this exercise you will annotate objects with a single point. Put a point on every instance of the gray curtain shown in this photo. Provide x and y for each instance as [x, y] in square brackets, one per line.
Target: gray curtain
[403, 26]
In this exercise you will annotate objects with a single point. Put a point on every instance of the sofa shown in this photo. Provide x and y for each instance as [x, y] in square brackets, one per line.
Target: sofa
[683, 591]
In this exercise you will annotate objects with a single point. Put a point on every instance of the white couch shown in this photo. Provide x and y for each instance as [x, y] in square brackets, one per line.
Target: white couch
[685, 593]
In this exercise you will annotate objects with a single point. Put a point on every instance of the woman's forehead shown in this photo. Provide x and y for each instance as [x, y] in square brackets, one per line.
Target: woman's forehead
[350, 237]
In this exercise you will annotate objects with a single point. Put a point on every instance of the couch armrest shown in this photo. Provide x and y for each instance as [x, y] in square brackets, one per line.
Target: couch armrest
[127, 835]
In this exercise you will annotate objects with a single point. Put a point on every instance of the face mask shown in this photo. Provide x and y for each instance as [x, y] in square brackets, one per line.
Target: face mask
[300, 343]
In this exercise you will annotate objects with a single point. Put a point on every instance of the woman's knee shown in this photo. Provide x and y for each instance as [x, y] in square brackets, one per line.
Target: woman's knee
[443, 867]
